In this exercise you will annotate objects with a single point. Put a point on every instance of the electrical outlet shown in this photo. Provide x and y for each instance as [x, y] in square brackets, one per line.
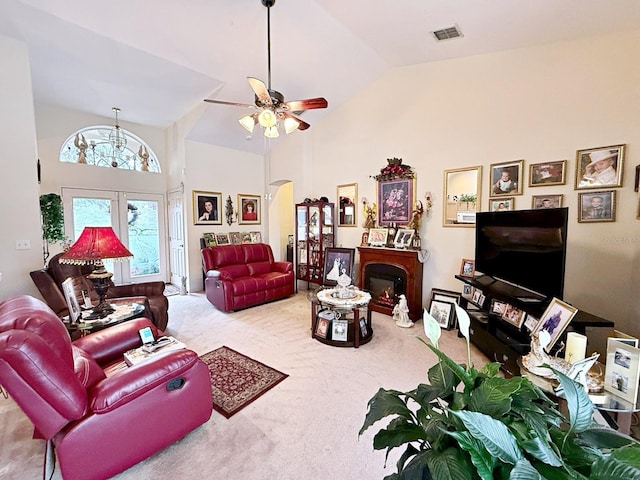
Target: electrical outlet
[23, 244]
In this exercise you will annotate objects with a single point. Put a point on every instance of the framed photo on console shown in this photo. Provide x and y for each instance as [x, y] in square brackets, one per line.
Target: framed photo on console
[555, 320]
[378, 237]
[467, 267]
[403, 238]
[622, 371]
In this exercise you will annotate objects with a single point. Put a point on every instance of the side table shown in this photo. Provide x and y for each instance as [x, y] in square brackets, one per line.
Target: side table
[122, 313]
[341, 322]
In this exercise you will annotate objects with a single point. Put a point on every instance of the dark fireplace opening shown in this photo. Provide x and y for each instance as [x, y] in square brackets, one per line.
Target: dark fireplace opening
[385, 283]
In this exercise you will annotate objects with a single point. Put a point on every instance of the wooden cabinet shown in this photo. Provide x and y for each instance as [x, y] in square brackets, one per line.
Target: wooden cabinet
[315, 231]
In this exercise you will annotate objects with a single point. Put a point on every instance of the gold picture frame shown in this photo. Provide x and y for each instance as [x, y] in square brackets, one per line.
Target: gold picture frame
[207, 208]
[599, 167]
[249, 211]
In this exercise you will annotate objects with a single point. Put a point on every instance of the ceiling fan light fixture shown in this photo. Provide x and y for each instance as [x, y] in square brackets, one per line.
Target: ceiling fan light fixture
[290, 125]
[267, 118]
[271, 132]
[248, 122]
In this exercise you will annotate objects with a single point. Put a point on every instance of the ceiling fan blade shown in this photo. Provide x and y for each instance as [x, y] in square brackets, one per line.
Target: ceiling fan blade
[303, 125]
[221, 102]
[308, 104]
[260, 90]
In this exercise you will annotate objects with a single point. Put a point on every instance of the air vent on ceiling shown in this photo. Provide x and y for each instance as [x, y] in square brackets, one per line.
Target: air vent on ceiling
[447, 33]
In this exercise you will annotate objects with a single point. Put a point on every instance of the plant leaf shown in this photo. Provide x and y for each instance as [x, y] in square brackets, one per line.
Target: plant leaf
[431, 328]
[629, 454]
[480, 457]
[398, 432]
[541, 450]
[494, 434]
[524, 471]
[611, 468]
[383, 404]
[463, 321]
[599, 437]
[458, 370]
[493, 396]
[451, 464]
[578, 403]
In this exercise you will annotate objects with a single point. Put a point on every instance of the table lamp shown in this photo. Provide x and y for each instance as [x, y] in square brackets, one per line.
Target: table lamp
[93, 246]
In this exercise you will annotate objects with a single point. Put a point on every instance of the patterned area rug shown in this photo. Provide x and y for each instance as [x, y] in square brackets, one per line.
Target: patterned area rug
[237, 380]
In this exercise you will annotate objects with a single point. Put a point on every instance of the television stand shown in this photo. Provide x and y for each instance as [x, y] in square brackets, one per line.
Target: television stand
[505, 343]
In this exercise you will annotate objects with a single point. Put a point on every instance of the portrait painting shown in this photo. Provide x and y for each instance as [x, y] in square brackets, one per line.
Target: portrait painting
[249, 209]
[206, 208]
[506, 178]
[554, 320]
[502, 204]
[599, 167]
[597, 206]
[395, 201]
[546, 201]
[336, 262]
[548, 173]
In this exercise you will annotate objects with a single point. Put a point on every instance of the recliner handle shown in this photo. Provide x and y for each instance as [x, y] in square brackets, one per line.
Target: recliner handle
[176, 383]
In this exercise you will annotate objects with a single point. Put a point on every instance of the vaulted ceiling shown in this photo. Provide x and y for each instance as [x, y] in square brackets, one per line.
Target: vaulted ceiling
[158, 59]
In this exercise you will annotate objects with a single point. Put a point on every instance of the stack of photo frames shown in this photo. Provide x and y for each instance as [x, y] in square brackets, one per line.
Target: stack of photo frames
[231, 238]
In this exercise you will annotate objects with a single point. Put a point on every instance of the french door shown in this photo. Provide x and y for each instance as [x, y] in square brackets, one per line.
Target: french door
[138, 219]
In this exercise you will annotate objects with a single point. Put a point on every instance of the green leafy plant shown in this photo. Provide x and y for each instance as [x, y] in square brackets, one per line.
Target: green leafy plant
[52, 221]
[468, 197]
[468, 424]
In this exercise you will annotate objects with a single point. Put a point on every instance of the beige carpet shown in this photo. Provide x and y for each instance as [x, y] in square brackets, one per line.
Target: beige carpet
[307, 427]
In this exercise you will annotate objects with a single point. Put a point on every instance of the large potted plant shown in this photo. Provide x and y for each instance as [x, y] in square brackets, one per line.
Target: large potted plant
[52, 222]
[468, 423]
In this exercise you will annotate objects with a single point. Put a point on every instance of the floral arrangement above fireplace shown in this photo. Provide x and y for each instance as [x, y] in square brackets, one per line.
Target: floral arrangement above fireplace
[395, 169]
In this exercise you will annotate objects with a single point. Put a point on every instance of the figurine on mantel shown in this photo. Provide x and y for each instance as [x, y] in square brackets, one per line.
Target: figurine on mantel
[538, 357]
[401, 313]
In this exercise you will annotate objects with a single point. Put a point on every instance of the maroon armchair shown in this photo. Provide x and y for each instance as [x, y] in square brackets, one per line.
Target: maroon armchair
[49, 282]
[100, 416]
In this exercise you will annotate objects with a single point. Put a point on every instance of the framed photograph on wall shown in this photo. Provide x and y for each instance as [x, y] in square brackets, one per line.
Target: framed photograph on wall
[597, 206]
[395, 201]
[622, 371]
[337, 260]
[506, 178]
[501, 204]
[546, 201]
[548, 173]
[442, 312]
[248, 209]
[555, 320]
[599, 167]
[206, 208]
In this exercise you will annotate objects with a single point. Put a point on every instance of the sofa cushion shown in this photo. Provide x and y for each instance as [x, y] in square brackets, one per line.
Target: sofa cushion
[259, 268]
[276, 279]
[257, 252]
[233, 272]
[246, 285]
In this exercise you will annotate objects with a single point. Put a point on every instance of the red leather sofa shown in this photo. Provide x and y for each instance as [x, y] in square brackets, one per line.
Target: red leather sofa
[100, 416]
[49, 282]
[241, 276]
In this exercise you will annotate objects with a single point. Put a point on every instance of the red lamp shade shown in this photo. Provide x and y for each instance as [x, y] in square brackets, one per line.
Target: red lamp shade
[95, 244]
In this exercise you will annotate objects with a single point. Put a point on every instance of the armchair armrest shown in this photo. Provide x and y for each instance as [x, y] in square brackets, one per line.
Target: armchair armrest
[282, 267]
[147, 289]
[109, 344]
[50, 291]
[133, 382]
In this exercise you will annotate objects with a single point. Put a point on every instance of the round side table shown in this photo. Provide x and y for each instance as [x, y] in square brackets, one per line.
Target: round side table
[341, 322]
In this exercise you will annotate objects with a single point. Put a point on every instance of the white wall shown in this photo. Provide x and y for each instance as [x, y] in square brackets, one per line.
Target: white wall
[19, 206]
[538, 104]
[229, 172]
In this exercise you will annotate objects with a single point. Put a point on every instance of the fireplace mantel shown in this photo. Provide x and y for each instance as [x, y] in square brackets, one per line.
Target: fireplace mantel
[406, 260]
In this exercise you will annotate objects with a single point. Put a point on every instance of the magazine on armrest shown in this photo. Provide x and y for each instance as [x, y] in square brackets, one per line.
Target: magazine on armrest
[148, 352]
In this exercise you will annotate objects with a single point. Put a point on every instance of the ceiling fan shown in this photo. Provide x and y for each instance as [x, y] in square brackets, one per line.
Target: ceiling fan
[270, 103]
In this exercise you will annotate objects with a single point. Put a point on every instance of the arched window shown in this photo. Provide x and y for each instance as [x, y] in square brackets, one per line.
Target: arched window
[96, 146]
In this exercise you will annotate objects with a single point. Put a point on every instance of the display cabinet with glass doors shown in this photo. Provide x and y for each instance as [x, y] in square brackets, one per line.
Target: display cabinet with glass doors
[315, 231]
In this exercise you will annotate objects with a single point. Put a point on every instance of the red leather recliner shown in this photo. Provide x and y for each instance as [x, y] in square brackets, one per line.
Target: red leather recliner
[101, 416]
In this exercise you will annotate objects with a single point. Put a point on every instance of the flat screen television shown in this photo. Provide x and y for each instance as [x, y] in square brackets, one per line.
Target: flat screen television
[526, 248]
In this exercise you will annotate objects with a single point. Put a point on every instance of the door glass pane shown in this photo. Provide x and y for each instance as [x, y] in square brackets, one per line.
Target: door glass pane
[144, 242]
